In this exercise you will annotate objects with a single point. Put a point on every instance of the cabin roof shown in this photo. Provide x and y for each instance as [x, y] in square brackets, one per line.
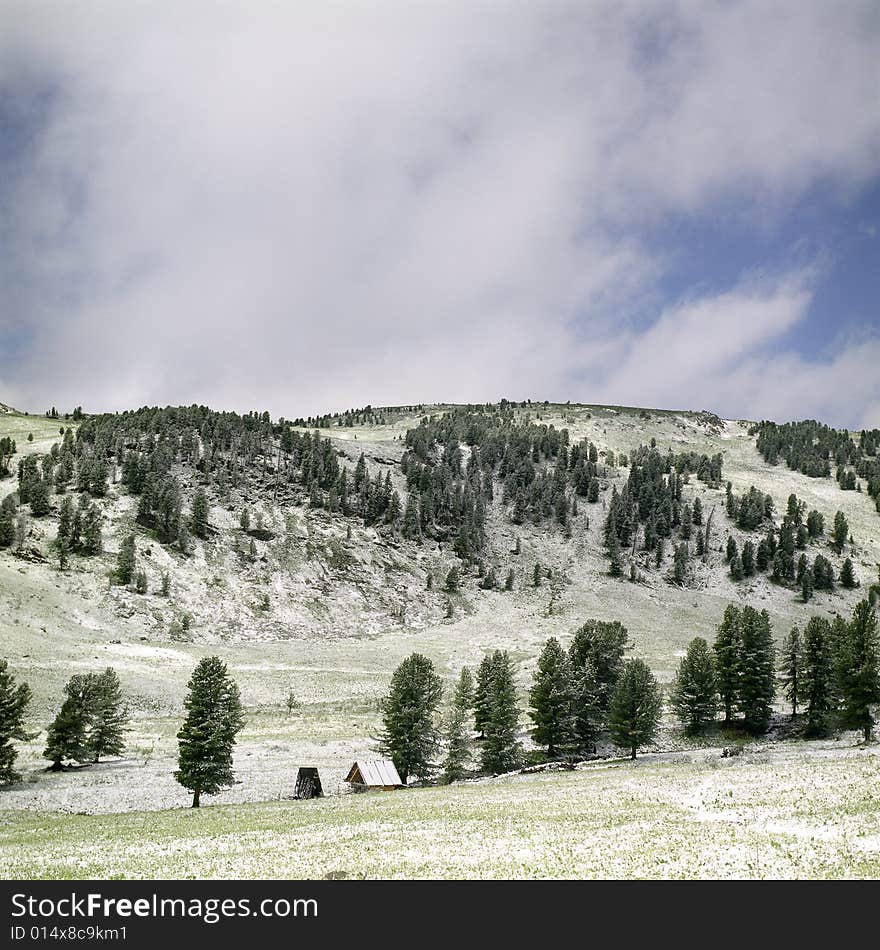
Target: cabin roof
[374, 772]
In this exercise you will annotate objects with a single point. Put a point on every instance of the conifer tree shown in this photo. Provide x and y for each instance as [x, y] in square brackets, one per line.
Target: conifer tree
[501, 747]
[200, 513]
[409, 732]
[109, 717]
[92, 539]
[551, 699]
[635, 707]
[451, 585]
[14, 698]
[791, 668]
[68, 736]
[482, 693]
[207, 737]
[847, 575]
[860, 670]
[457, 731]
[615, 564]
[840, 532]
[509, 580]
[807, 585]
[757, 670]
[536, 575]
[694, 693]
[126, 562]
[732, 549]
[817, 679]
[726, 649]
[736, 568]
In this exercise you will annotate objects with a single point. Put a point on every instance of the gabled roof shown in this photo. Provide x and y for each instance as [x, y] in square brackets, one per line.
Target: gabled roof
[379, 772]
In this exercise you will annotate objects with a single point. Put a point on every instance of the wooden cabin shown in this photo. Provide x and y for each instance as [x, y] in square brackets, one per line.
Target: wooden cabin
[308, 783]
[374, 773]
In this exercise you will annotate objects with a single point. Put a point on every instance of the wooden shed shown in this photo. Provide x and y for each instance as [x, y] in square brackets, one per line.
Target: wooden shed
[308, 783]
[374, 773]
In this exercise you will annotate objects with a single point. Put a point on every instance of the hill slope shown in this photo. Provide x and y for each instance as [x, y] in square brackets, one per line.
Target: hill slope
[318, 602]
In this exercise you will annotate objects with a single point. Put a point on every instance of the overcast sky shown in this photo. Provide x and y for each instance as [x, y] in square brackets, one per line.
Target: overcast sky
[305, 206]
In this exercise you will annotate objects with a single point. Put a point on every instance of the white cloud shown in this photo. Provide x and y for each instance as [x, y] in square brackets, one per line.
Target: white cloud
[314, 205]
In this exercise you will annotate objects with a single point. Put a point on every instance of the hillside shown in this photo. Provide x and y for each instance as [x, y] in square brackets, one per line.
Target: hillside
[316, 601]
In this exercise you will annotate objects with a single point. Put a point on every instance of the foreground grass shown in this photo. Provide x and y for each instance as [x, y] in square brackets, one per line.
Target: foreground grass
[796, 814]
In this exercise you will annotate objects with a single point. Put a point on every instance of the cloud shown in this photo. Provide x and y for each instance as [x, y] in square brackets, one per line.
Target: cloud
[309, 206]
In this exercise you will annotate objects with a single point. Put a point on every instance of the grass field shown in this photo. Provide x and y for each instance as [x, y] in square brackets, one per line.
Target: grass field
[806, 811]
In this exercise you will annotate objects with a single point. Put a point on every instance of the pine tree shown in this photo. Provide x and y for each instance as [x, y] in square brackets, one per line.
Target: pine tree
[847, 575]
[536, 575]
[14, 698]
[409, 733]
[68, 736]
[126, 562]
[815, 524]
[860, 679]
[635, 707]
[736, 568]
[694, 693]
[200, 512]
[748, 559]
[109, 717]
[451, 585]
[697, 512]
[726, 649]
[731, 548]
[840, 532]
[589, 717]
[482, 693]
[245, 519]
[551, 699]
[501, 748]
[603, 643]
[207, 737]
[457, 733]
[807, 585]
[615, 564]
[509, 580]
[817, 677]
[791, 667]
[92, 539]
[757, 670]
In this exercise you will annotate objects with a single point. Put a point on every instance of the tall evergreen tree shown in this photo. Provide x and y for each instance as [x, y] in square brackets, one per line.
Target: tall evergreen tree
[603, 643]
[551, 699]
[694, 693]
[409, 731]
[635, 707]
[68, 736]
[757, 670]
[847, 575]
[860, 679]
[817, 678]
[14, 698]
[200, 511]
[482, 693]
[206, 739]
[126, 561]
[457, 731]
[791, 667]
[109, 717]
[726, 649]
[501, 748]
[840, 532]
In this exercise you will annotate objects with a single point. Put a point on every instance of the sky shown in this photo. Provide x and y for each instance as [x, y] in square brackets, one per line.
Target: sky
[305, 207]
